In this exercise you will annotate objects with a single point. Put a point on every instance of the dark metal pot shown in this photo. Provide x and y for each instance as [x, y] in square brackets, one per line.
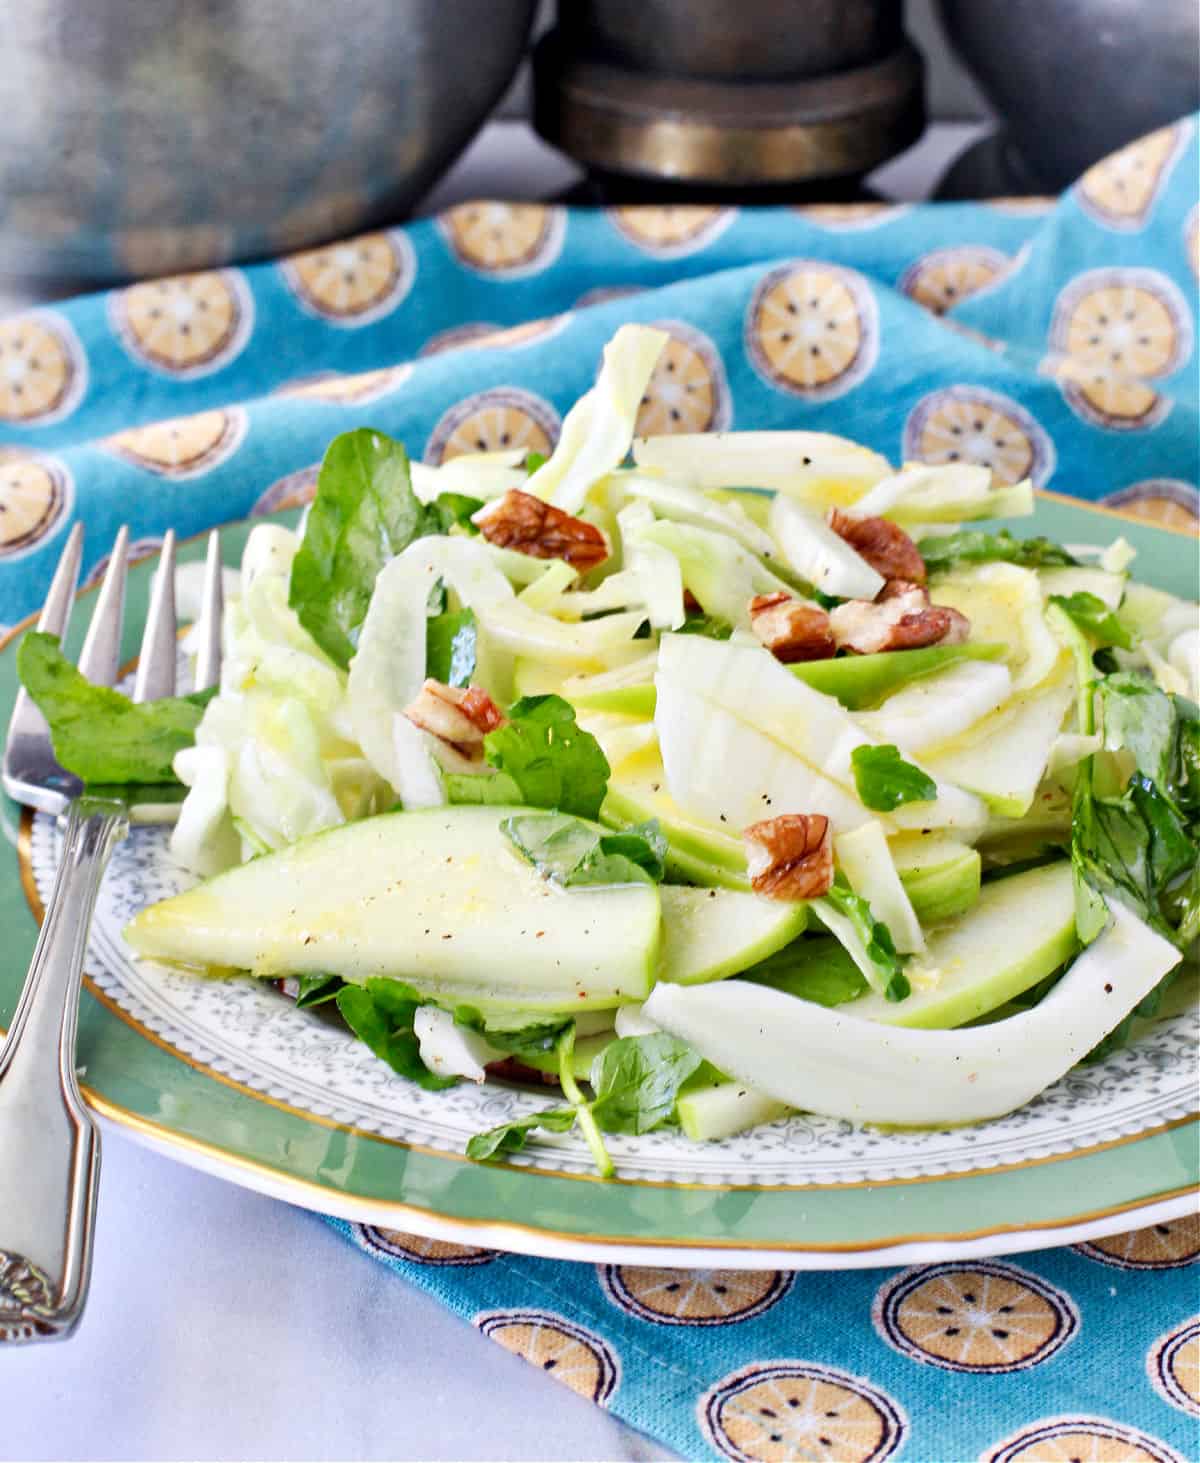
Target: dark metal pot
[1076, 79]
[142, 136]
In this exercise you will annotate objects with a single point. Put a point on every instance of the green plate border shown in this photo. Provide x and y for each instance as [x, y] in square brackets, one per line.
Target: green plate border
[207, 1120]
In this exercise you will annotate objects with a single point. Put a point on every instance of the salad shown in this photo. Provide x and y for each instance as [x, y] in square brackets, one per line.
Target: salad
[698, 778]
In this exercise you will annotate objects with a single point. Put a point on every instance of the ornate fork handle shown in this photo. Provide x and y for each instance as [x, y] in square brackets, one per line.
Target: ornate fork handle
[49, 1145]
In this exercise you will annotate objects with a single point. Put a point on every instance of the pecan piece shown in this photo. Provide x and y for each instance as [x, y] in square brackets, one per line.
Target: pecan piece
[884, 545]
[905, 620]
[790, 629]
[522, 522]
[459, 718]
[790, 857]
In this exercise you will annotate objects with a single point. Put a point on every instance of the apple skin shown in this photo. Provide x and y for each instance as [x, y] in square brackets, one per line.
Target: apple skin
[946, 890]
[712, 933]
[628, 700]
[859, 681]
[1021, 929]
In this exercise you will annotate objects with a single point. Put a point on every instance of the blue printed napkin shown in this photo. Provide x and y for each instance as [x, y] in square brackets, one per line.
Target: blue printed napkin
[1054, 340]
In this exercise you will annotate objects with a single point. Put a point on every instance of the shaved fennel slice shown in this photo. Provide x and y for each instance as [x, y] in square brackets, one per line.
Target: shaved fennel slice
[449, 1049]
[830, 1062]
[688, 505]
[819, 555]
[866, 860]
[814, 467]
[935, 708]
[722, 575]
[951, 492]
[389, 666]
[598, 429]
[657, 570]
[1004, 604]
[477, 474]
[749, 683]
[729, 774]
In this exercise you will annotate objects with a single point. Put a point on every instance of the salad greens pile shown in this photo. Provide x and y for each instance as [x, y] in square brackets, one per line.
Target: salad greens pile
[609, 729]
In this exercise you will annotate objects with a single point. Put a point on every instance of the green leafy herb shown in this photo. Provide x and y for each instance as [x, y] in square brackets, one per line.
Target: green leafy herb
[634, 1080]
[874, 941]
[380, 1012]
[571, 852]
[976, 546]
[537, 1036]
[364, 513]
[99, 734]
[451, 510]
[885, 780]
[495, 790]
[534, 460]
[451, 643]
[316, 990]
[552, 761]
[1094, 617]
[711, 626]
[815, 968]
[1145, 722]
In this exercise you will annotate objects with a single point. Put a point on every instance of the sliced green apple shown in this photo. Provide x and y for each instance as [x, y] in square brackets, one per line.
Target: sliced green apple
[712, 933]
[437, 898]
[859, 681]
[940, 875]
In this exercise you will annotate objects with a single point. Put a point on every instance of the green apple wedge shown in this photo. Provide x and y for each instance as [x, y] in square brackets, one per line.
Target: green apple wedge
[1020, 930]
[712, 933]
[940, 875]
[434, 897]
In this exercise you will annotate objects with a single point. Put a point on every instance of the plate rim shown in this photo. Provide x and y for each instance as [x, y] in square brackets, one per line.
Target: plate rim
[539, 1239]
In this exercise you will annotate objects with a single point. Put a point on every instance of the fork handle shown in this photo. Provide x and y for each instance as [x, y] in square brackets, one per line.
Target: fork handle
[49, 1144]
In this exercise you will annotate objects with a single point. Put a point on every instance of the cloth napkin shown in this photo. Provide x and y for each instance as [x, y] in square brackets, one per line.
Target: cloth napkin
[1049, 339]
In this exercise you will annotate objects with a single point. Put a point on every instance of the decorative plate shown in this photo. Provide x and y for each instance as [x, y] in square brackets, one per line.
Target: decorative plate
[231, 1077]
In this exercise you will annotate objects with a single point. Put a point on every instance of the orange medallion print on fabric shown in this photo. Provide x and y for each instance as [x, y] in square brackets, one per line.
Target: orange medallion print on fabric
[185, 326]
[973, 424]
[847, 217]
[36, 493]
[812, 329]
[976, 1317]
[43, 370]
[1080, 1440]
[571, 1354]
[1173, 1366]
[1120, 190]
[355, 281]
[942, 279]
[504, 239]
[673, 230]
[779, 1411]
[1112, 332]
[504, 419]
[1170, 502]
[1166, 1246]
[693, 1297]
[184, 447]
[348, 390]
[399, 1245]
[687, 390]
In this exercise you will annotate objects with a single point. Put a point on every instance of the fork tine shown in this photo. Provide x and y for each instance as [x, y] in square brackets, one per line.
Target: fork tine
[156, 666]
[212, 605]
[101, 653]
[56, 612]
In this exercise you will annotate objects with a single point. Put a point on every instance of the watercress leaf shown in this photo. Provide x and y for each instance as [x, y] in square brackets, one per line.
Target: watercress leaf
[636, 1079]
[453, 510]
[99, 734]
[885, 780]
[534, 460]
[451, 643]
[380, 1013]
[875, 938]
[571, 852]
[1095, 618]
[553, 761]
[512, 1137]
[316, 990]
[977, 546]
[364, 513]
[536, 1036]
[815, 968]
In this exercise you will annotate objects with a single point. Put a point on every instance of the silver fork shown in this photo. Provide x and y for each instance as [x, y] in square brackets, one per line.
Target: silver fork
[49, 1144]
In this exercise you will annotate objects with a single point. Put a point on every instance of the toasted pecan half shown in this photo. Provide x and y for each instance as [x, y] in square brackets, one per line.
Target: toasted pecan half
[790, 857]
[790, 629]
[525, 523]
[459, 718]
[902, 620]
[882, 543]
